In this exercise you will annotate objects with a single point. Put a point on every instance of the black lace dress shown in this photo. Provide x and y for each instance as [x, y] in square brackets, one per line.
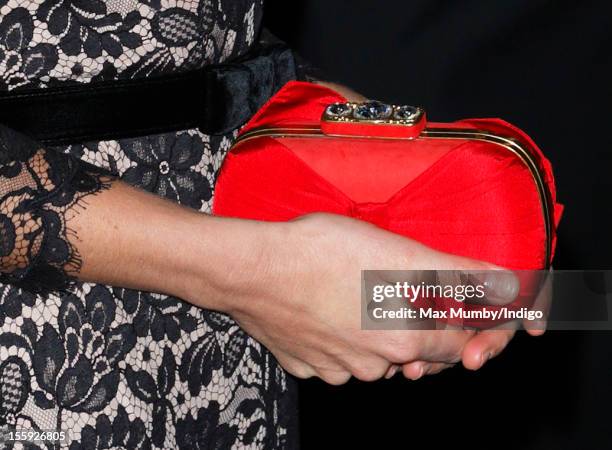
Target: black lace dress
[113, 367]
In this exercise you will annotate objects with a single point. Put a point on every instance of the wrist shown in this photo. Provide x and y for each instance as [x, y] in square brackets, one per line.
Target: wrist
[229, 261]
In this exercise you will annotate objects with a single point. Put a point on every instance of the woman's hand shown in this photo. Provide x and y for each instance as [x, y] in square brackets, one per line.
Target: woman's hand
[295, 287]
[302, 299]
[489, 343]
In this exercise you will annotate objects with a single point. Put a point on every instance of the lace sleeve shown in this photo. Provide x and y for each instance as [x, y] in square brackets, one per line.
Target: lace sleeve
[39, 191]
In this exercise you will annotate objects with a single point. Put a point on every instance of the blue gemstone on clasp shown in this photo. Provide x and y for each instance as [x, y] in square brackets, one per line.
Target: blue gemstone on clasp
[405, 112]
[338, 110]
[372, 110]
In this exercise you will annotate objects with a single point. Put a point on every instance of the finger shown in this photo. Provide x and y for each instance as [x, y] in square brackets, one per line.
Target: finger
[311, 365]
[449, 341]
[542, 303]
[369, 369]
[431, 259]
[334, 377]
[501, 286]
[444, 345]
[416, 369]
[436, 368]
[413, 369]
[401, 346]
[392, 371]
[484, 346]
[295, 367]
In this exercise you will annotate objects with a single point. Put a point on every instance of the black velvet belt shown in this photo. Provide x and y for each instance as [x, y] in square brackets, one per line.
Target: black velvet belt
[215, 99]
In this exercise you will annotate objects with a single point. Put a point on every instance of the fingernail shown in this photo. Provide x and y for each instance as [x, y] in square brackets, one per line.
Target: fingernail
[422, 371]
[484, 357]
[392, 372]
[499, 284]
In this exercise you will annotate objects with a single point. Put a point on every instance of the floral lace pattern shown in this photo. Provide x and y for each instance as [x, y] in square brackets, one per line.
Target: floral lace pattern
[57, 41]
[113, 367]
[38, 191]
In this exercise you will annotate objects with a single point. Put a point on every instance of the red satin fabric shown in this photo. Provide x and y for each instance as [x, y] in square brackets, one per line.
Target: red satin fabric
[468, 198]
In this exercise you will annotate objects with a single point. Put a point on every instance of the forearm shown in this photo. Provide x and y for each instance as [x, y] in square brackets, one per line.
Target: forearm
[131, 238]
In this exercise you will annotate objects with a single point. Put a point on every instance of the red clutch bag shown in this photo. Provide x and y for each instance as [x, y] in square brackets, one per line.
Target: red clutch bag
[479, 188]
